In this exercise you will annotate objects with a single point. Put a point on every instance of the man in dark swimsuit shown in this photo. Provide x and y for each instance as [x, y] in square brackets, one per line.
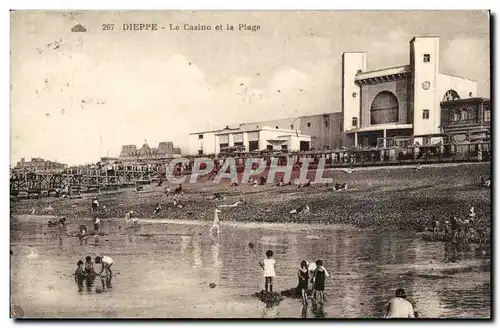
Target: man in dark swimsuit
[319, 277]
[454, 229]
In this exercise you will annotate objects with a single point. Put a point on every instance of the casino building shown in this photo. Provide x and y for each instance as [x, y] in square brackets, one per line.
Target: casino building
[393, 107]
[381, 107]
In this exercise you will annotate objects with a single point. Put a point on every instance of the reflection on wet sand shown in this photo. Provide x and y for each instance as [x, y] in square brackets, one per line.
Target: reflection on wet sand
[215, 247]
[185, 241]
[89, 282]
[131, 239]
[304, 311]
[270, 312]
[318, 311]
[197, 261]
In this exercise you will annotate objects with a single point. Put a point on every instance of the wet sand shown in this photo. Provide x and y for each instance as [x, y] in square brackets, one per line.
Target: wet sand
[167, 276]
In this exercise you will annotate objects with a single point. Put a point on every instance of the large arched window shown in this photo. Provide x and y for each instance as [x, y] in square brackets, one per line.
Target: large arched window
[385, 108]
[451, 95]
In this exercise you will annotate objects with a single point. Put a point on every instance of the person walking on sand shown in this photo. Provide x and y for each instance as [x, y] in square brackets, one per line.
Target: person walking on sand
[216, 222]
[269, 270]
[399, 307]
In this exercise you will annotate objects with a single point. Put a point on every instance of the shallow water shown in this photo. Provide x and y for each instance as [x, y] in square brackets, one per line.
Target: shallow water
[164, 269]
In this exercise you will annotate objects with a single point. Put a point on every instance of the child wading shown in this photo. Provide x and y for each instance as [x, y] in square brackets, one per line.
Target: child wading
[89, 266]
[303, 276]
[80, 275]
[269, 272]
[318, 279]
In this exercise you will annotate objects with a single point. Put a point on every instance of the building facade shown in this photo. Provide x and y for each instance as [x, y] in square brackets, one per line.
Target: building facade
[466, 119]
[247, 138]
[403, 101]
[325, 129]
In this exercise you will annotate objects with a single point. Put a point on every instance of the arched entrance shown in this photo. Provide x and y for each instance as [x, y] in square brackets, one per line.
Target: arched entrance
[384, 109]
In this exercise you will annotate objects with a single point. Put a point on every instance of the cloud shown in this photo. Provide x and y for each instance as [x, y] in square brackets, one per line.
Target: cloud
[467, 57]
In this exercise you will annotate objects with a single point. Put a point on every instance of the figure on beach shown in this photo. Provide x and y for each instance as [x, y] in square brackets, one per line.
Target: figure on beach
[89, 266]
[178, 190]
[82, 234]
[454, 229]
[97, 224]
[399, 307]
[318, 280]
[106, 263]
[238, 203]
[216, 222]
[157, 209]
[80, 275]
[95, 204]
[303, 275]
[131, 222]
[435, 229]
[269, 270]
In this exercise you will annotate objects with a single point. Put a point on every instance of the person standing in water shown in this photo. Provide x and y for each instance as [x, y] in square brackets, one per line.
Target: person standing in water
[89, 266]
[80, 275]
[106, 263]
[399, 307]
[303, 275]
[82, 234]
[319, 278]
[269, 270]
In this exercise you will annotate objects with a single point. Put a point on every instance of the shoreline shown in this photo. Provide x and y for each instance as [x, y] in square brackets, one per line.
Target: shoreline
[224, 223]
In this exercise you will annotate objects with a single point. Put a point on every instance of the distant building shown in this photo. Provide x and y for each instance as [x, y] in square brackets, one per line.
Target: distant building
[131, 155]
[247, 138]
[325, 129]
[402, 101]
[39, 164]
[164, 150]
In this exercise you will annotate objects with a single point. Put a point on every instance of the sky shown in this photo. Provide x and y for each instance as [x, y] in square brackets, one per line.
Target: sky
[78, 96]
